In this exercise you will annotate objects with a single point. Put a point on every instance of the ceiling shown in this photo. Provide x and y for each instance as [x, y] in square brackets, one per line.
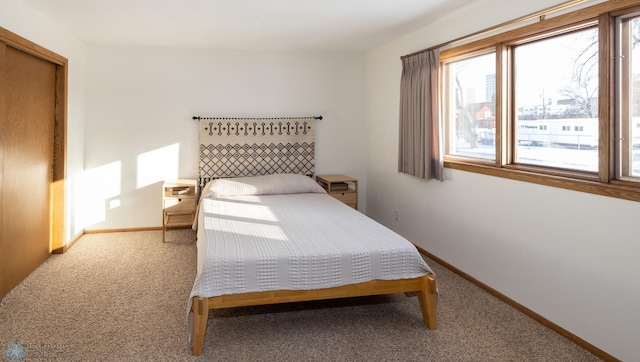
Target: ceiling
[301, 25]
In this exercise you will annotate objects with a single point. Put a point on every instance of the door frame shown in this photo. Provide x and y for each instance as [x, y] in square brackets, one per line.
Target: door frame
[57, 239]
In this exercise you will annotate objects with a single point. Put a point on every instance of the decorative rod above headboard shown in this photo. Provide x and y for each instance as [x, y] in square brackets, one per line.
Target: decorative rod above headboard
[197, 118]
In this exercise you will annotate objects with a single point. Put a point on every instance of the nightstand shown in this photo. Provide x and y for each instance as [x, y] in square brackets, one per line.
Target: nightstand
[343, 188]
[178, 204]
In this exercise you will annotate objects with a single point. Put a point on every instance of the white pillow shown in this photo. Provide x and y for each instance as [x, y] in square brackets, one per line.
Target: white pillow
[262, 185]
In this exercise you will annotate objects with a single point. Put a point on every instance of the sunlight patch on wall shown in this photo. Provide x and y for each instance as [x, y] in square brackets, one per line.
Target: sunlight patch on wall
[158, 165]
[114, 203]
[95, 187]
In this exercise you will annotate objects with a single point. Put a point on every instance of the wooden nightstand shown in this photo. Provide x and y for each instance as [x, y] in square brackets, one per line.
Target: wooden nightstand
[343, 188]
[178, 204]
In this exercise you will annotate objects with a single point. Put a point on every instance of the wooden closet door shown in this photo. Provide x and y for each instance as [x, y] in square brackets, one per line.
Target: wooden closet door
[26, 159]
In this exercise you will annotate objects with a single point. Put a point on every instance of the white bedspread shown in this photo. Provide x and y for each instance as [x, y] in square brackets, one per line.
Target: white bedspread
[294, 242]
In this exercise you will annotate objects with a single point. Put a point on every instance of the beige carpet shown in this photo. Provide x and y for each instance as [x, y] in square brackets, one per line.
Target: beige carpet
[123, 296]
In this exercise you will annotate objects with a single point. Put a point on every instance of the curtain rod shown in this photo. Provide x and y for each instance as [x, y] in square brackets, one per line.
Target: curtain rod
[539, 14]
[198, 118]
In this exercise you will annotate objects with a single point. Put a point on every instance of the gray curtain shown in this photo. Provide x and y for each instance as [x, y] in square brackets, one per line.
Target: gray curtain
[420, 153]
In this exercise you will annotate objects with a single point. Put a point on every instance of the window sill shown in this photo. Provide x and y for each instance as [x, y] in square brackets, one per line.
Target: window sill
[570, 181]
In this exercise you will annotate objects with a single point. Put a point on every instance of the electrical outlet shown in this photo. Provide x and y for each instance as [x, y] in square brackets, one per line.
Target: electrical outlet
[396, 215]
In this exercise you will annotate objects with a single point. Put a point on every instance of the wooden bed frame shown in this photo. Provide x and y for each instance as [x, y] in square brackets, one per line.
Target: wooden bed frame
[424, 286]
[219, 140]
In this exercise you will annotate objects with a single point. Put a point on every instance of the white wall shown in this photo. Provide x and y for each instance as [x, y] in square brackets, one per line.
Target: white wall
[24, 21]
[571, 257]
[140, 102]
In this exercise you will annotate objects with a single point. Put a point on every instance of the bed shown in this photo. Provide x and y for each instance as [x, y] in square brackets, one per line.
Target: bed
[270, 234]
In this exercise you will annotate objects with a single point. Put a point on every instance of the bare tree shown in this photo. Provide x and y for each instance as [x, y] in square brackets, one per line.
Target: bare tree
[583, 89]
[465, 119]
[583, 94]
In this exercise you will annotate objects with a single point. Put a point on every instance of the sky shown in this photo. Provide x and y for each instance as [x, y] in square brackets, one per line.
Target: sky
[543, 67]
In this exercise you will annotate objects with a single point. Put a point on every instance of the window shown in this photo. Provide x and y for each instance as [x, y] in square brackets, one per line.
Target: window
[628, 101]
[556, 86]
[549, 102]
[470, 105]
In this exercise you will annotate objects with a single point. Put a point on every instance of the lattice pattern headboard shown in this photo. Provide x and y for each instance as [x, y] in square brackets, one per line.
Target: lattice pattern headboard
[237, 147]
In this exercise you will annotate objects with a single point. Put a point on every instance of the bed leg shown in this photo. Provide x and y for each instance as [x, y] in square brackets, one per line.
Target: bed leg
[200, 317]
[428, 298]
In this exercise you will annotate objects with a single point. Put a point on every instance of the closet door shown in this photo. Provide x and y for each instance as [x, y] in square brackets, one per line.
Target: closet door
[26, 157]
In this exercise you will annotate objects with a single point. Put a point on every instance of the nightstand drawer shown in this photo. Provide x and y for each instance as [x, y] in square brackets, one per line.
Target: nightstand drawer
[349, 198]
[174, 205]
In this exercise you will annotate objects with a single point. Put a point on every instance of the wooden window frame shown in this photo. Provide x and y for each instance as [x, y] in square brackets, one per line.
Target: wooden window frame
[603, 182]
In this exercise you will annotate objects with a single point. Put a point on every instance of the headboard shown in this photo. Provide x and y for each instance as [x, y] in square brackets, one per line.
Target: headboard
[238, 147]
